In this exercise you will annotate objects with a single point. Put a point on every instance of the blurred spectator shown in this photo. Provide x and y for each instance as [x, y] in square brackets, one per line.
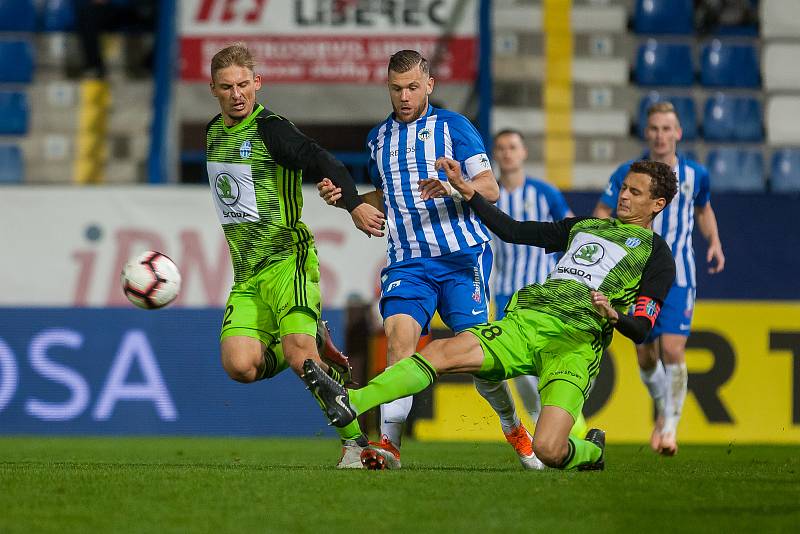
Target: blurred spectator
[713, 15]
[94, 17]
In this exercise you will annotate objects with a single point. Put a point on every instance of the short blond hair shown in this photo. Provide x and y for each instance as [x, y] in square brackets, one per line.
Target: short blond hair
[236, 54]
[663, 107]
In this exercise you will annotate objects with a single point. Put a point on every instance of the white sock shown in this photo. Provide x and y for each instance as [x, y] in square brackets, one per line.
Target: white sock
[528, 389]
[498, 395]
[393, 418]
[656, 381]
[677, 381]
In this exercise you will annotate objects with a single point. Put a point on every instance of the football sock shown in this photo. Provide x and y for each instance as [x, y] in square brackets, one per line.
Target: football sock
[352, 432]
[393, 418]
[656, 381]
[580, 452]
[528, 389]
[677, 381]
[579, 429]
[498, 395]
[406, 377]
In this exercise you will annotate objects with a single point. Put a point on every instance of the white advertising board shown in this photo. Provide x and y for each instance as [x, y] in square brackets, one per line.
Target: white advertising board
[65, 246]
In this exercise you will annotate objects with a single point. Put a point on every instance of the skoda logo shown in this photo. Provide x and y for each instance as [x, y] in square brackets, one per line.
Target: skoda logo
[589, 254]
[227, 189]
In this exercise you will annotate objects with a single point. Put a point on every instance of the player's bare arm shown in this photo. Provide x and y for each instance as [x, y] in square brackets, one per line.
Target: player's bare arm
[484, 183]
[368, 216]
[332, 194]
[707, 224]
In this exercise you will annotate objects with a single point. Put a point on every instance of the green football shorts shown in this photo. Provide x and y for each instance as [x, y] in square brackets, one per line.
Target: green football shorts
[529, 342]
[283, 298]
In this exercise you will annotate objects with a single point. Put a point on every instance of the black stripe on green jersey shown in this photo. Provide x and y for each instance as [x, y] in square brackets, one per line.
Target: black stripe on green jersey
[300, 296]
[425, 366]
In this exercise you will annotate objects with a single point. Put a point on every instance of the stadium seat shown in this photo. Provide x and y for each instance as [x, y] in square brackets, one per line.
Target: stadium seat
[13, 113]
[16, 62]
[781, 119]
[732, 118]
[785, 175]
[664, 64]
[17, 16]
[59, 15]
[664, 16]
[11, 166]
[732, 169]
[725, 65]
[684, 106]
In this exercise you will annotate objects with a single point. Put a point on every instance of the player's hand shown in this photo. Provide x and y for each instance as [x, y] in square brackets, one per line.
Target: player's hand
[434, 188]
[603, 307]
[369, 219]
[452, 170]
[715, 258]
[329, 192]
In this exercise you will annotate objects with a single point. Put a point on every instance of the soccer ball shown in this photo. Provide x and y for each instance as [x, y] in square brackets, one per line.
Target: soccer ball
[151, 280]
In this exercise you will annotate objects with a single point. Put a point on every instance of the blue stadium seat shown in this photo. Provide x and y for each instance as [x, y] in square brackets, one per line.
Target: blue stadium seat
[726, 65]
[664, 64]
[17, 16]
[16, 62]
[664, 16]
[732, 169]
[732, 118]
[12, 170]
[785, 175]
[59, 15]
[684, 106]
[13, 113]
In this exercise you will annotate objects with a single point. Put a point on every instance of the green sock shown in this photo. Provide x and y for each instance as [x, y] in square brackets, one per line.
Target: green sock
[406, 377]
[351, 431]
[581, 452]
[578, 430]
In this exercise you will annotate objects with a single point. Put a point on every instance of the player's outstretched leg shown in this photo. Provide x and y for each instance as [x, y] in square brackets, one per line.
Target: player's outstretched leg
[332, 355]
[330, 394]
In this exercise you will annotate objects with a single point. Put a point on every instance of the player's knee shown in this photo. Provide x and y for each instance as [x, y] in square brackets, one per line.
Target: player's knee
[550, 452]
[647, 357]
[240, 367]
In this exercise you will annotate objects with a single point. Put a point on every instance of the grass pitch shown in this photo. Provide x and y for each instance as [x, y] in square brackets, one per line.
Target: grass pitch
[158, 485]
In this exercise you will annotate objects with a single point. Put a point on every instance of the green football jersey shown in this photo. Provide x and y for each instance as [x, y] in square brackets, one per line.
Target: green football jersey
[258, 201]
[602, 255]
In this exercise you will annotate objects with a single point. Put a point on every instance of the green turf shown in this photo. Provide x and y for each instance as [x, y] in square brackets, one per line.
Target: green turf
[157, 485]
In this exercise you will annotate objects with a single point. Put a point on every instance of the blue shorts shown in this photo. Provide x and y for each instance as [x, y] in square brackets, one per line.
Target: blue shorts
[455, 285]
[676, 313]
[500, 303]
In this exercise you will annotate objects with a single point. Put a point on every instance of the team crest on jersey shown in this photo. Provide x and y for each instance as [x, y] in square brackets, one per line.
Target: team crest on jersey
[686, 188]
[227, 189]
[424, 134]
[633, 242]
[589, 254]
[246, 149]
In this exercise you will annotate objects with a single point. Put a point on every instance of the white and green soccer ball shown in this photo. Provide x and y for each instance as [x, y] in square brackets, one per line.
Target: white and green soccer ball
[151, 280]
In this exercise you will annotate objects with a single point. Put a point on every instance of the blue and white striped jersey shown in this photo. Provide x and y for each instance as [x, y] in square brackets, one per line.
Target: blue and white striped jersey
[676, 222]
[516, 266]
[403, 154]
